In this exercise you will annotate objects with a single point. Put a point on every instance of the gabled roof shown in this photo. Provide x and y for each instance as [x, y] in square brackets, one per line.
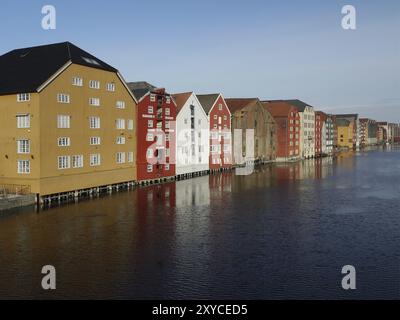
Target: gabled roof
[279, 109]
[300, 105]
[140, 88]
[236, 104]
[180, 99]
[208, 101]
[25, 70]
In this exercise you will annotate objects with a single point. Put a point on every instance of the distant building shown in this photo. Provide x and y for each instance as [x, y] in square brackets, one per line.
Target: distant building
[355, 125]
[251, 114]
[307, 128]
[287, 130]
[192, 135]
[345, 133]
[320, 134]
[155, 131]
[330, 134]
[68, 121]
[368, 132]
[219, 118]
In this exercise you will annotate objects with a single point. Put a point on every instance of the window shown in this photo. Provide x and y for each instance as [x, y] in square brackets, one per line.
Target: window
[64, 142]
[23, 146]
[152, 97]
[168, 100]
[149, 168]
[63, 98]
[167, 111]
[23, 121]
[150, 124]
[24, 167]
[94, 160]
[149, 137]
[185, 121]
[167, 125]
[76, 81]
[130, 156]
[225, 118]
[95, 141]
[94, 102]
[167, 152]
[120, 157]
[63, 121]
[167, 137]
[77, 161]
[94, 122]
[220, 106]
[23, 97]
[120, 104]
[150, 109]
[130, 124]
[120, 124]
[64, 162]
[215, 117]
[93, 84]
[149, 153]
[120, 140]
[91, 61]
[167, 167]
[111, 87]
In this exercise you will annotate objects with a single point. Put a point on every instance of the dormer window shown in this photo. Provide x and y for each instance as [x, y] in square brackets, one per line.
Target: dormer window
[91, 61]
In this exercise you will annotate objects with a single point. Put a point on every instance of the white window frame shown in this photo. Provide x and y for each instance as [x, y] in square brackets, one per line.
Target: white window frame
[130, 156]
[23, 146]
[130, 124]
[64, 162]
[95, 141]
[95, 102]
[64, 142]
[95, 159]
[94, 122]
[63, 121]
[63, 98]
[120, 124]
[77, 161]
[94, 84]
[120, 104]
[120, 157]
[120, 140]
[111, 87]
[149, 168]
[23, 121]
[23, 167]
[77, 81]
[23, 97]
[150, 109]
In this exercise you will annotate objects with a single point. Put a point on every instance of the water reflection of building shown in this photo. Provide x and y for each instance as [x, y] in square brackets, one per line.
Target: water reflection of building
[221, 182]
[151, 197]
[193, 192]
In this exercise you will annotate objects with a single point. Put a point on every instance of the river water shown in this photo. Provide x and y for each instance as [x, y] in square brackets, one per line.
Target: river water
[284, 232]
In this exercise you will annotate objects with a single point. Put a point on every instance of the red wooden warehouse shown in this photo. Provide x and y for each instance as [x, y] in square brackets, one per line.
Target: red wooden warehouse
[288, 130]
[220, 130]
[155, 132]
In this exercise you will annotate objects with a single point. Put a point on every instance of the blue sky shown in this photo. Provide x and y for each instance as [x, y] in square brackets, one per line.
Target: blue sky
[269, 49]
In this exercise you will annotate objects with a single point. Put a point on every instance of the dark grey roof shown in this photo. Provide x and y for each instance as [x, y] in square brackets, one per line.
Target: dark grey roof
[300, 105]
[342, 122]
[207, 100]
[347, 116]
[25, 70]
[140, 88]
